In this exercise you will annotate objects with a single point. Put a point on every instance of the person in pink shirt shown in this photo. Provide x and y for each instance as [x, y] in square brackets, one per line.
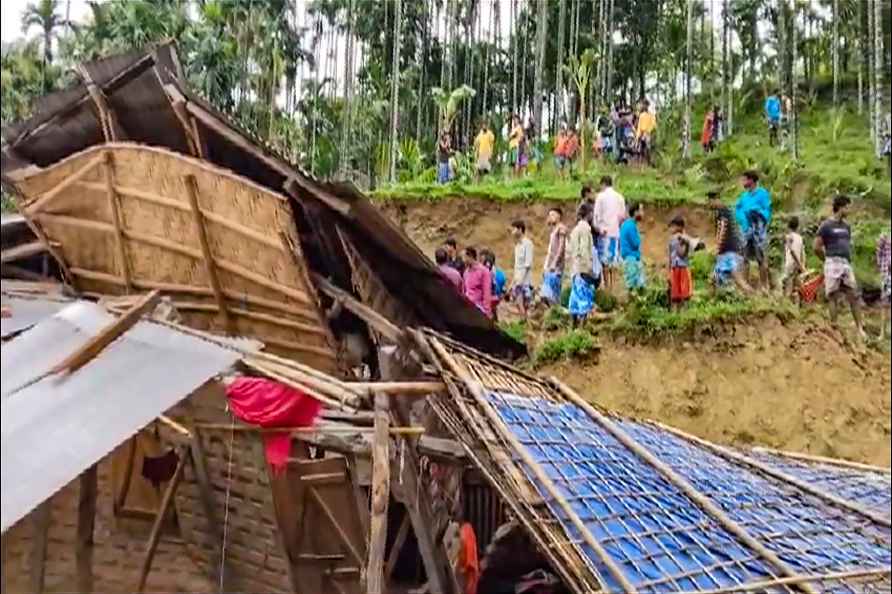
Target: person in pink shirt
[478, 282]
[447, 270]
[609, 213]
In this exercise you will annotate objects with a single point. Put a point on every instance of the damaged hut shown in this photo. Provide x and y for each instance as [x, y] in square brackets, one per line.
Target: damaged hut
[201, 288]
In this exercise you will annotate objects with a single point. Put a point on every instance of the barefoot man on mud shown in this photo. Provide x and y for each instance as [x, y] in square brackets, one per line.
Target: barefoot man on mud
[834, 245]
[728, 261]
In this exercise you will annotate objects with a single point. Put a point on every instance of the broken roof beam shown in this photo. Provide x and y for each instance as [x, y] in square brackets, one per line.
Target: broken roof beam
[108, 122]
[368, 315]
[20, 252]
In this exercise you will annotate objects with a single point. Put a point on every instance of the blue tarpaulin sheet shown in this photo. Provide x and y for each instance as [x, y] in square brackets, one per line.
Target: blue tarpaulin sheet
[872, 490]
[655, 534]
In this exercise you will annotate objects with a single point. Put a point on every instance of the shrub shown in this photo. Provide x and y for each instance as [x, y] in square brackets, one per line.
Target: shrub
[575, 344]
[516, 330]
[555, 319]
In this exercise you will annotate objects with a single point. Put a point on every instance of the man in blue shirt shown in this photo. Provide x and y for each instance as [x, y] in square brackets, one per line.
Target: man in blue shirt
[753, 214]
[773, 113]
[630, 249]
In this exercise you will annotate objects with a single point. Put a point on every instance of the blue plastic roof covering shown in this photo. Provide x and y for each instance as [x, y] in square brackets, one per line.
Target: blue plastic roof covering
[811, 536]
[659, 538]
[872, 490]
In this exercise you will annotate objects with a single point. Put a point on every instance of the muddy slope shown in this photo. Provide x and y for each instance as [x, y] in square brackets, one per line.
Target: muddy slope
[485, 224]
[795, 387]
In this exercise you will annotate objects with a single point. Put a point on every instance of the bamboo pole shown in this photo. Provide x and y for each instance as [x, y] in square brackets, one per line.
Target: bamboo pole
[380, 496]
[309, 385]
[399, 388]
[155, 534]
[768, 585]
[208, 257]
[824, 460]
[318, 429]
[114, 204]
[40, 203]
[86, 519]
[782, 476]
[682, 484]
[535, 469]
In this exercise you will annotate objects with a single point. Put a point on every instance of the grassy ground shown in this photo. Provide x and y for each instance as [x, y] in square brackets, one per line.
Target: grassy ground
[836, 156]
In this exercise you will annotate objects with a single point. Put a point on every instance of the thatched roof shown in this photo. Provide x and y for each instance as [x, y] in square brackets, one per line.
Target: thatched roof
[141, 98]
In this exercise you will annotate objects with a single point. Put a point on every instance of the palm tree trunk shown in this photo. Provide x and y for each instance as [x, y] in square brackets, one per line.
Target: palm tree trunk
[878, 68]
[422, 79]
[608, 82]
[860, 57]
[513, 40]
[794, 82]
[538, 86]
[346, 123]
[557, 112]
[835, 42]
[781, 43]
[871, 71]
[395, 87]
[726, 32]
[689, 62]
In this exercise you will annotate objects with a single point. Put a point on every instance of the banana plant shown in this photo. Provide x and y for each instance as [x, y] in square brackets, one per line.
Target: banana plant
[579, 70]
[449, 103]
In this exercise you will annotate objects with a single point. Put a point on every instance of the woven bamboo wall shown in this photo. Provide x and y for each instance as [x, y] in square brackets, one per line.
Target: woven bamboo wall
[265, 286]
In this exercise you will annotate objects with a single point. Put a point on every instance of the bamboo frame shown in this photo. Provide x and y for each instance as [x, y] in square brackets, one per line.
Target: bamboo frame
[306, 385]
[117, 220]
[207, 256]
[42, 201]
[838, 502]
[823, 460]
[534, 468]
[683, 485]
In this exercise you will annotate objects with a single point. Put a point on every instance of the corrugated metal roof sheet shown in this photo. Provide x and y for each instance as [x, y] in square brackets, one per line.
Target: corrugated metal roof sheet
[55, 428]
[25, 312]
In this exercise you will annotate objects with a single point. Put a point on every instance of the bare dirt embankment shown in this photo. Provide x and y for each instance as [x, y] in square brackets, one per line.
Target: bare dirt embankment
[793, 386]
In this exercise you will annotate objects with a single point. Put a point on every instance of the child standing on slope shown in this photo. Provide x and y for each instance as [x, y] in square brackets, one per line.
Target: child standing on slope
[681, 283]
[794, 259]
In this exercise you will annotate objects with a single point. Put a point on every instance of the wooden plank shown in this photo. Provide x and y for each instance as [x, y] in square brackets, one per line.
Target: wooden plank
[23, 251]
[95, 275]
[47, 197]
[209, 263]
[86, 519]
[40, 522]
[397, 547]
[380, 496]
[109, 334]
[114, 203]
[412, 494]
[333, 520]
[155, 534]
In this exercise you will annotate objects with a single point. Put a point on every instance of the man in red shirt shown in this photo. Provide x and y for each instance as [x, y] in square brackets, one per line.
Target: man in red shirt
[478, 282]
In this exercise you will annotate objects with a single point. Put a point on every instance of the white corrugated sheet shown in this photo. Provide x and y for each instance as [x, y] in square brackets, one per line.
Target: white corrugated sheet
[56, 427]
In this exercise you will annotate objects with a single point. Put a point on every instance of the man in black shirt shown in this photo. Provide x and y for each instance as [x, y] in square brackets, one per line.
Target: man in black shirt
[728, 261]
[455, 259]
[833, 243]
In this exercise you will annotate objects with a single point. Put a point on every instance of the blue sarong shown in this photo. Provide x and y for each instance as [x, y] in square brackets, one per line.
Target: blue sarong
[726, 265]
[551, 287]
[582, 297]
[443, 172]
[634, 274]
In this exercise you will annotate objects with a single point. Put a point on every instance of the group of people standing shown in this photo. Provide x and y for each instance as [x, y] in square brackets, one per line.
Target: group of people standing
[606, 241]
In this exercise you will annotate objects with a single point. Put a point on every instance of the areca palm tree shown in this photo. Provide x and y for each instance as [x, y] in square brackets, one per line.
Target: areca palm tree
[43, 14]
[579, 70]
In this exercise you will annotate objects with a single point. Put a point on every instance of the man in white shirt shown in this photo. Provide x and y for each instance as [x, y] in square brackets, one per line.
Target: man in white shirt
[522, 282]
[609, 213]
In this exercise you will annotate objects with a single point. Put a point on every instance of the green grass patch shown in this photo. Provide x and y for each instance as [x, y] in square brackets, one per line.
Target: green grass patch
[516, 330]
[574, 344]
[650, 316]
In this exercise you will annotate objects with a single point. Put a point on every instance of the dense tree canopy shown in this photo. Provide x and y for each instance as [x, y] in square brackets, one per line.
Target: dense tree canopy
[314, 78]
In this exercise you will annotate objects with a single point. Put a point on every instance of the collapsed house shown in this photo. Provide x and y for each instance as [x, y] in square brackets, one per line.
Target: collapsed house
[136, 188]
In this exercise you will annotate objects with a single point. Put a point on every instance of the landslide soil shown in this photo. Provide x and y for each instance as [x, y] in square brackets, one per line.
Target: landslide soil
[797, 386]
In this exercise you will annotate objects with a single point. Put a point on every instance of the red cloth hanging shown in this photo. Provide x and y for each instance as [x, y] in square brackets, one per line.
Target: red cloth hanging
[270, 404]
